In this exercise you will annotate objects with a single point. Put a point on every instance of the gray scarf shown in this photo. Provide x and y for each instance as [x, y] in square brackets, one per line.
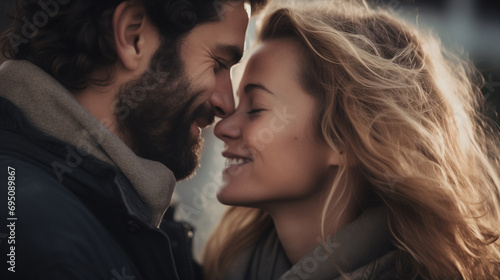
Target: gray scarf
[362, 247]
[52, 109]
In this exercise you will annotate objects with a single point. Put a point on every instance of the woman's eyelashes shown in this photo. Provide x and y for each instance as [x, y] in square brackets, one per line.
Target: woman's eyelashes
[254, 111]
[256, 103]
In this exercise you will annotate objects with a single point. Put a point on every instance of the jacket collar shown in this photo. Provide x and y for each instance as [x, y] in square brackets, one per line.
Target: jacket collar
[51, 109]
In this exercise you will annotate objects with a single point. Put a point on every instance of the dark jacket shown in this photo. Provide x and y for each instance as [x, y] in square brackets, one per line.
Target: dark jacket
[90, 225]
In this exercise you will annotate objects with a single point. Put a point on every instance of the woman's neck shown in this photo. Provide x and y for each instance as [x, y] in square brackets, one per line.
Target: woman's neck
[298, 225]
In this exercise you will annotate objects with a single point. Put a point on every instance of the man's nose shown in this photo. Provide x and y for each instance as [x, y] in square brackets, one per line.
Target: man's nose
[222, 100]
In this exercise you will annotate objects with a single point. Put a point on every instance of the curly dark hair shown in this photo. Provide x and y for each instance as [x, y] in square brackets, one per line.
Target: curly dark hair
[70, 38]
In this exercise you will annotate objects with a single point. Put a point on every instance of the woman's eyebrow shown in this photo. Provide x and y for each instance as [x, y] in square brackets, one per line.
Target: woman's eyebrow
[249, 87]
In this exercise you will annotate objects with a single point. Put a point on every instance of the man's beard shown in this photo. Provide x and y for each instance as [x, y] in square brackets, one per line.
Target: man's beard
[155, 113]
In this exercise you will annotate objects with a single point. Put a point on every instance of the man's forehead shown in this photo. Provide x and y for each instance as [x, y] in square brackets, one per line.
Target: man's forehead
[229, 33]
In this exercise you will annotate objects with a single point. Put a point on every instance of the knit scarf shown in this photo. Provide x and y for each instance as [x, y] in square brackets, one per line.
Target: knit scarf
[52, 109]
[361, 248]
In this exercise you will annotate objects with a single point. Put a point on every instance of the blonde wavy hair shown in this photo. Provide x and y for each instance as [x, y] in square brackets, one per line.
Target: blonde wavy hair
[407, 113]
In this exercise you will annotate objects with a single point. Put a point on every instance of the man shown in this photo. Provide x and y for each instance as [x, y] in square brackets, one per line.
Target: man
[100, 114]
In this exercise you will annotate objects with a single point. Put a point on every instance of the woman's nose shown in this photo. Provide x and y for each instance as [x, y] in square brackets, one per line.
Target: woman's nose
[229, 128]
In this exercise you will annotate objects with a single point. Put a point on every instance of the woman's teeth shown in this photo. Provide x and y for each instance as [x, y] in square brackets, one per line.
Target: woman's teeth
[236, 161]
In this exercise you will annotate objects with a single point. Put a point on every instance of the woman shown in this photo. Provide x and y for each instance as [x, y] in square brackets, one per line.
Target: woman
[357, 150]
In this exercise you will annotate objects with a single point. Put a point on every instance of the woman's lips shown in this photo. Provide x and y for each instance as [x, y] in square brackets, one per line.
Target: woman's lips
[234, 164]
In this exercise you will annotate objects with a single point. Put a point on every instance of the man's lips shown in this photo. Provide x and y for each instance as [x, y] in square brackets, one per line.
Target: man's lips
[200, 123]
[204, 116]
[203, 122]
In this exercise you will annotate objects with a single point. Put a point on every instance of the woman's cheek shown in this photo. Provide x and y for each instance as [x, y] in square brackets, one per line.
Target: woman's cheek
[260, 135]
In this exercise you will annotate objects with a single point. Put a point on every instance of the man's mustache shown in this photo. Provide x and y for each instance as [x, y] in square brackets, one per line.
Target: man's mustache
[205, 112]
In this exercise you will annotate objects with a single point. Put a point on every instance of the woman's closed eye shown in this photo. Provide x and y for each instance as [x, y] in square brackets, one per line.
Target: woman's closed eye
[255, 111]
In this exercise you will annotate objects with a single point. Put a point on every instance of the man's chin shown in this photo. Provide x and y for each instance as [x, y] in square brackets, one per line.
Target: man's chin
[187, 173]
[185, 167]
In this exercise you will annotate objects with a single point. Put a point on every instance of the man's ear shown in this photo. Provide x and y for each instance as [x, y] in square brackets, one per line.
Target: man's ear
[134, 35]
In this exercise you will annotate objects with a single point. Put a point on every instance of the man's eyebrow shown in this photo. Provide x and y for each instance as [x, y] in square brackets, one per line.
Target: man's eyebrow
[232, 52]
[249, 87]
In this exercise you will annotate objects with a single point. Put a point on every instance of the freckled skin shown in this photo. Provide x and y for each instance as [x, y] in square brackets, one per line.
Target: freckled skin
[289, 164]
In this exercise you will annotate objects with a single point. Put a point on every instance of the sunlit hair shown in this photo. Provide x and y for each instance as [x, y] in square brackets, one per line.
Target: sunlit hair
[407, 115]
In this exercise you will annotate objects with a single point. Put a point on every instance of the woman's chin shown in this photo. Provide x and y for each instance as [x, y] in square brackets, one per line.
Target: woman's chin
[225, 197]
[231, 197]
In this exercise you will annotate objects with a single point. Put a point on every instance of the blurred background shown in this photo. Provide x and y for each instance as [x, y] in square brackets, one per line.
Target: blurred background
[471, 24]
